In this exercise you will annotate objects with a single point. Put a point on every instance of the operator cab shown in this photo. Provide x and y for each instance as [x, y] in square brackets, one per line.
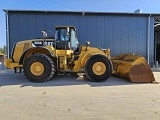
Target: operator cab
[66, 38]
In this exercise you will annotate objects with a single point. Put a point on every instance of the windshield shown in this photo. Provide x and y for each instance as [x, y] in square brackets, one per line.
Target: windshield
[61, 35]
[74, 40]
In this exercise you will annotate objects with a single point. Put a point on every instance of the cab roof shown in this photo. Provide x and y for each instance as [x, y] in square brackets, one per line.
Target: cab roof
[64, 27]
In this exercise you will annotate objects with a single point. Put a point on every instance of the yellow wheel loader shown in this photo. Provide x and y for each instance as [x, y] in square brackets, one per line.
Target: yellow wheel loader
[43, 58]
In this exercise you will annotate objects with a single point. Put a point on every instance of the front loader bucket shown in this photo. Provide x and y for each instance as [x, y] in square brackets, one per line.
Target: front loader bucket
[133, 68]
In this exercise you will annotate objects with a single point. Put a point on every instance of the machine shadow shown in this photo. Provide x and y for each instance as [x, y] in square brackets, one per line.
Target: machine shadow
[8, 77]
[156, 70]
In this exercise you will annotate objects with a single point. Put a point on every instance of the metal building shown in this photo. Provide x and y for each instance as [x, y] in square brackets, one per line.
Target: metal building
[121, 32]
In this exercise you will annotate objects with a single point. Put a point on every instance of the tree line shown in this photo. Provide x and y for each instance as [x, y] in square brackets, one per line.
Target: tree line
[3, 50]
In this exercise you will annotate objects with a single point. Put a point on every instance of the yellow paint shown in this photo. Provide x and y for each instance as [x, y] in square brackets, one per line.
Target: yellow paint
[20, 48]
[85, 54]
[9, 64]
[64, 52]
[52, 49]
[132, 67]
[42, 50]
[64, 55]
[37, 68]
[99, 68]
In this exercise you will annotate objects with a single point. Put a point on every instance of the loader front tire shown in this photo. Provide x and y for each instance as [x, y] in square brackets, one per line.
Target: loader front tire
[98, 68]
[39, 68]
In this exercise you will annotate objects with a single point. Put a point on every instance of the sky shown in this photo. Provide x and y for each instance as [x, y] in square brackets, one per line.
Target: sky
[123, 6]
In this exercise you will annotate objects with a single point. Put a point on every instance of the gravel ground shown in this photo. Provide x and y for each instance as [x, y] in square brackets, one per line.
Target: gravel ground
[73, 98]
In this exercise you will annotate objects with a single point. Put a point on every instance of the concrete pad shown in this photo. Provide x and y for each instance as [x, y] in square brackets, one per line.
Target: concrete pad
[73, 98]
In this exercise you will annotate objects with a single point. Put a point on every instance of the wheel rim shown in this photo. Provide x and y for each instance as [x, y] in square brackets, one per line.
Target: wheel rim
[99, 68]
[37, 68]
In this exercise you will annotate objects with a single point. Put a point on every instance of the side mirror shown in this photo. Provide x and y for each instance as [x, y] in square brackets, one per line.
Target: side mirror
[88, 43]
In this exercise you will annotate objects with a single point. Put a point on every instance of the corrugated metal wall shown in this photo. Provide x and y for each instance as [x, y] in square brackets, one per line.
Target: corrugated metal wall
[121, 33]
[158, 37]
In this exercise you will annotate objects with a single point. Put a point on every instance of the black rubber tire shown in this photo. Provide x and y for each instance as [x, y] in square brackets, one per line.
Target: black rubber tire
[85, 77]
[47, 62]
[89, 72]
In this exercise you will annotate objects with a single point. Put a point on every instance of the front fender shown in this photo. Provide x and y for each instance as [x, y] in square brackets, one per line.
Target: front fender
[84, 56]
[88, 55]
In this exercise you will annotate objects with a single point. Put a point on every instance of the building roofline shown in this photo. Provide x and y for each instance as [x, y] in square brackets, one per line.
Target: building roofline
[85, 12]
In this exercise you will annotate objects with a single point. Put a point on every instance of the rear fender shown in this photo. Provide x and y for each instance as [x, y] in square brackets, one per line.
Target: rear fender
[35, 50]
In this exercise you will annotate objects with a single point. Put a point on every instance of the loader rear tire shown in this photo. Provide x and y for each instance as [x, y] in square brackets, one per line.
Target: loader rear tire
[98, 68]
[39, 68]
